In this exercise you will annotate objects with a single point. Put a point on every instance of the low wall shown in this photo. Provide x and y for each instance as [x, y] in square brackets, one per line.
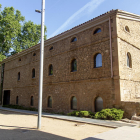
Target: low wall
[130, 108]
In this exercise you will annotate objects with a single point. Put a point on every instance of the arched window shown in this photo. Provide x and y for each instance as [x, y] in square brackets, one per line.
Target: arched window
[98, 30]
[18, 76]
[74, 65]
[98, 104]
[51, 70]
[73, 103]
[17, 100]
[127, 29]
[129, 60]
[32, 101]
[50, 102]
[74, 39]
[98, 60]
[34, 54]
[33, 73]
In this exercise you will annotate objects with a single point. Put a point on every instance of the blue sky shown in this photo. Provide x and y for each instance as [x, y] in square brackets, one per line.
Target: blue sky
[62, 15]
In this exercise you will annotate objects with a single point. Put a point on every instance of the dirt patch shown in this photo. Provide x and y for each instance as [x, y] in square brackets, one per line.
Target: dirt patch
[20, 126]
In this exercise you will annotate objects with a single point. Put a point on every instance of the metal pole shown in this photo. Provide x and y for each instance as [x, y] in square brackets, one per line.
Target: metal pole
[41, 66]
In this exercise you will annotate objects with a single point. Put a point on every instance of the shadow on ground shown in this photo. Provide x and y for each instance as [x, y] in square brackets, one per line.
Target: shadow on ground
[21, 133]
[92, 138]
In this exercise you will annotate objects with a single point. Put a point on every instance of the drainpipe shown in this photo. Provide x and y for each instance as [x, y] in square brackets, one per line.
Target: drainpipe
[110, 48]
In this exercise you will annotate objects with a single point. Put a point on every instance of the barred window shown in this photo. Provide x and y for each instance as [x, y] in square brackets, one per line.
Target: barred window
[50, 102]
[74, 65]
[33, 73]
[73, 103]
[51, 70]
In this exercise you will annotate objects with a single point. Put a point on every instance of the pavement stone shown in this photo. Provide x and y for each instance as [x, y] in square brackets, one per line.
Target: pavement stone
[121, 133]
[107, 123]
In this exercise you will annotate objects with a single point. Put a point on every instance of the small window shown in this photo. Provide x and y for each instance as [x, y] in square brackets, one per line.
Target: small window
[74, 65]
[51, 70]
[33, 73]
[129, 60]
[98, 60]
[127, 29]
[73, 103]
[74, 39]
[50, 102]
[51, 48]
[18, 76]
[32, 101]
[34, 54]
[98, 30]
[19, 59]
[17, 100]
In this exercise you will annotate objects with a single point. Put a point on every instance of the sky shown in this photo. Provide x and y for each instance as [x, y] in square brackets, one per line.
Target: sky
[62, 15]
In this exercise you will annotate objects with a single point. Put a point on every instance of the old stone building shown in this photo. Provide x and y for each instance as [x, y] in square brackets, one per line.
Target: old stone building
[92, 66]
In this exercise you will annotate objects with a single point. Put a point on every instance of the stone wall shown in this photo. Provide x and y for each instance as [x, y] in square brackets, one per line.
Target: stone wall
[130, 108]
[128, 42]
[86, 83]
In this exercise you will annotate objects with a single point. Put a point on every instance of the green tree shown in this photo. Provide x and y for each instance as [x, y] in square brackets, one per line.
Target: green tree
[15, 33]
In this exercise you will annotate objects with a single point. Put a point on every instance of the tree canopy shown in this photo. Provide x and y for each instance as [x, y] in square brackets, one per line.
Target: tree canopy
[16, 34]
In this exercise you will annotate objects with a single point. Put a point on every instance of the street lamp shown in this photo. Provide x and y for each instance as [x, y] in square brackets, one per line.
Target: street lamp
[41, 65]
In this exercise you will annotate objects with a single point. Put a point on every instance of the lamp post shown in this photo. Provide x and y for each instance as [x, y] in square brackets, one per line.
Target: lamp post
[41, 65]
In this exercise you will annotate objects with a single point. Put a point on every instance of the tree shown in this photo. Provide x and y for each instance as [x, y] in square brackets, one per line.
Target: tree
[15, 33]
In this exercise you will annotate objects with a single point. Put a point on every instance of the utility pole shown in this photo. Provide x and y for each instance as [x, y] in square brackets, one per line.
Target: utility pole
[41, 65]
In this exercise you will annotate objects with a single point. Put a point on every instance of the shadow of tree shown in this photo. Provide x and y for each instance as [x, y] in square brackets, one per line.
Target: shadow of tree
[21, 133]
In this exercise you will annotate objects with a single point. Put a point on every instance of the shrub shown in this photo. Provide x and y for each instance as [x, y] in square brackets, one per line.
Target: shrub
[20, 107]
[109, 114]
[81, 114]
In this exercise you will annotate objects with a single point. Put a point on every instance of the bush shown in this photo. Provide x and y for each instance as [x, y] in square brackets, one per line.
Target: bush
[20, 107]
[81, 114]
[109, 114]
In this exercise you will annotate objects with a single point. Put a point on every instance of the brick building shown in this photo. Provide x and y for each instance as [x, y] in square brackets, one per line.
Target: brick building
[92, 66]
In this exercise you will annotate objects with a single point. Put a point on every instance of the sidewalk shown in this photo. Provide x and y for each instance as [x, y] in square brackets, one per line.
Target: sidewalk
[107, 123]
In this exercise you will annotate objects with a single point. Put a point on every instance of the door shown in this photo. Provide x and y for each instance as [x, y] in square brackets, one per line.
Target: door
[6, 97]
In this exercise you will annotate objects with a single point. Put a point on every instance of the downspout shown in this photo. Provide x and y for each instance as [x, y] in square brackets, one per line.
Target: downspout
[110, 48]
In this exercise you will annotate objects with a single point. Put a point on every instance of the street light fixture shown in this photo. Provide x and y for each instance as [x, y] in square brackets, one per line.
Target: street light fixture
[41, 65]
[38, 11]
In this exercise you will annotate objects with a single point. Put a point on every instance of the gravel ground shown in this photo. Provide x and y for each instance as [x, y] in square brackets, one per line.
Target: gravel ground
[16, 126]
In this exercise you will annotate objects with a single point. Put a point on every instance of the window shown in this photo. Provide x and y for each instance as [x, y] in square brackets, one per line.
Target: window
[98, 104]
[51, 48]
[98, 60]
[74, 65]
[32, 101]
[17, 100]
[73, 103]
[33, 73]
[34, 54]
[18, 76]
[19, 59]
[129, 60]
[50, 102]
[127, 29]
[74, 39]
[51, 70]
[98, 30]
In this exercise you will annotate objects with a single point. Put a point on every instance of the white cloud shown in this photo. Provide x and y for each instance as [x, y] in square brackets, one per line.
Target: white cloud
[85, 10]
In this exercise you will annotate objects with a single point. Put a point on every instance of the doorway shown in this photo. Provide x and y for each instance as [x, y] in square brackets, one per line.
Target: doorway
[6, 97]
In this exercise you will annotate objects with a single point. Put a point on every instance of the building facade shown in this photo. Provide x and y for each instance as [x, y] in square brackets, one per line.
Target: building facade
[92, 66]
